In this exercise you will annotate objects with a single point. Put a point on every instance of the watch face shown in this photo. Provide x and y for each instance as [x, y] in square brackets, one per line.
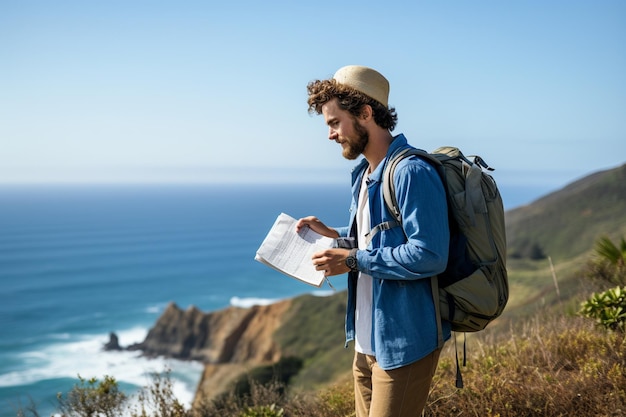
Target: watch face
[351, 262]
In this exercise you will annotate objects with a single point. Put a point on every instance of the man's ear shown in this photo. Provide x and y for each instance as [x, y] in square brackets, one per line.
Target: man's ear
[366, 112]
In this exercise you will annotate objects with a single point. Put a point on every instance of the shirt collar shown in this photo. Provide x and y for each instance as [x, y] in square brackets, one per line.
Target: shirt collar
[398, 142]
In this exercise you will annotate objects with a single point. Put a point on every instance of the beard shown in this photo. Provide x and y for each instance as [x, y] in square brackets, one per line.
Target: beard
[357, 145]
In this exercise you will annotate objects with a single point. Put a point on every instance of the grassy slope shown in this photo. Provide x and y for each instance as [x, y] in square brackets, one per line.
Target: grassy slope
[314, 332]
[565, 224]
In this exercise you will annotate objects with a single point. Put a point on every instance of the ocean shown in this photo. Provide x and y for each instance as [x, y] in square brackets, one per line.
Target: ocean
[78, 262]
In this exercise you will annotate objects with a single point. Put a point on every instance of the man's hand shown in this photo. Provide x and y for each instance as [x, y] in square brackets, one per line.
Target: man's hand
[317, 226]
[331, 261]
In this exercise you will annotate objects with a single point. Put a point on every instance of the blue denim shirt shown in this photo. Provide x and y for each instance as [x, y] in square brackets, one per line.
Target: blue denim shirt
[404, 327]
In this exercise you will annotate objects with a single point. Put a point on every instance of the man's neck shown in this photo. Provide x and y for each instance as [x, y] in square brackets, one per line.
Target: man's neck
[377, 147]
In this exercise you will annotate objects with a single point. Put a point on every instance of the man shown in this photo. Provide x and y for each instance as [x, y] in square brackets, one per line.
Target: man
[391, 312]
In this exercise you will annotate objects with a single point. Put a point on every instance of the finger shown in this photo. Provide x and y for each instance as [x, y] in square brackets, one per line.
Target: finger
[318, 257]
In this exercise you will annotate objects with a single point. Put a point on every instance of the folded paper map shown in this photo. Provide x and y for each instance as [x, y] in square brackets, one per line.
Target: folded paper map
[290, 252]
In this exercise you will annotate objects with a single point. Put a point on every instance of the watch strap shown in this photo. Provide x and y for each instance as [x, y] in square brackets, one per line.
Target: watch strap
[351, 261]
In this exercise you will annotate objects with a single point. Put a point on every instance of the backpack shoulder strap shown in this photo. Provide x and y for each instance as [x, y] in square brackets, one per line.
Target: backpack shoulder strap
[389, 195]
[389, 188]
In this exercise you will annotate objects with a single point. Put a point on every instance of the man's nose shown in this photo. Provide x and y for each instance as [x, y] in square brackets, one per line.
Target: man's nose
[332, 134]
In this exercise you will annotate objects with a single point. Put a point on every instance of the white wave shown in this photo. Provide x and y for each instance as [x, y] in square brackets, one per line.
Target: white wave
[155, 309]
[323, 293]
[248, 302]
[84, 357]
[132, 335]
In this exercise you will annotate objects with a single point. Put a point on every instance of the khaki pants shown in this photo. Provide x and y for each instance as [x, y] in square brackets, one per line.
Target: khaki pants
[400, 392]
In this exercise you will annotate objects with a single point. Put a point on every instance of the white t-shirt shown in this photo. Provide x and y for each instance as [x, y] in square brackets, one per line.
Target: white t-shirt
[363, 325]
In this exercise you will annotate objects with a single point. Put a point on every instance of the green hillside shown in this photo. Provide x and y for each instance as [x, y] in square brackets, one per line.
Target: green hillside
[550, 240]
[565, 224]
[314, 332]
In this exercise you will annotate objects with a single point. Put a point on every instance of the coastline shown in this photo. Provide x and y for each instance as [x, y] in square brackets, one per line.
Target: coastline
[86, 357]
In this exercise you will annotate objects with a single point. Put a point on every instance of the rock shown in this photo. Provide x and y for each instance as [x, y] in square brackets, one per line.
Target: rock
[232, 335]
[113, 343]
[234, 341]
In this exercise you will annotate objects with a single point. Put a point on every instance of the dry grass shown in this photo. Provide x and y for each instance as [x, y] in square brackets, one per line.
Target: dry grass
[547, 367]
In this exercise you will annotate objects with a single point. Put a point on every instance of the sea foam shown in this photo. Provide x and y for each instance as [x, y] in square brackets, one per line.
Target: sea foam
[248, 302]
[84, 356]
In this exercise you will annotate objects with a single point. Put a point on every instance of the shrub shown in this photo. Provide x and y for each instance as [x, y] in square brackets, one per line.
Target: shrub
[157, 399]
[609, 262]
[608, 308]
[280, 372]
[262, 411]
[91, 398]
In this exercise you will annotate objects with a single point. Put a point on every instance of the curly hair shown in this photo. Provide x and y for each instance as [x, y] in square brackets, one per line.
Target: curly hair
[349, 99]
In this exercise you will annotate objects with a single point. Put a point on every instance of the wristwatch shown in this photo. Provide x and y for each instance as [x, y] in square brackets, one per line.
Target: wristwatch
[351, 260]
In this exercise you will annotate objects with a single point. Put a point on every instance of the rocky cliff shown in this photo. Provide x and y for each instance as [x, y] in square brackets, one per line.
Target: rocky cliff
[228, 341]
[234, 341]
[232, 335]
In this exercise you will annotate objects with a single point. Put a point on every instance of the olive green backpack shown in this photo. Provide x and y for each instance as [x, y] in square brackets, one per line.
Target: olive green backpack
[474, 289]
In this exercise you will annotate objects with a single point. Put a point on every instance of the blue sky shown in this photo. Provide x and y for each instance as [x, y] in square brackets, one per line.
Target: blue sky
[194, 91]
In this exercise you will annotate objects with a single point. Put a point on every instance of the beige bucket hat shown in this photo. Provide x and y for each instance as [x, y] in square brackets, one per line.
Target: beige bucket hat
[365, 80]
